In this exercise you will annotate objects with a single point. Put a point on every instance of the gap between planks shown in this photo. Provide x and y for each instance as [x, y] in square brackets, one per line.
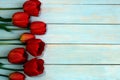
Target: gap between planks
[71, 2]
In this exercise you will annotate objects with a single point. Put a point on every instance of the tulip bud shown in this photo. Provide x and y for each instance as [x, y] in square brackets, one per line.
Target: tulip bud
[26, 36]
[16, 76]
[38, 27]
[17, 56]
[32, 7]
[20, 19]
[34, 67]
[35, 47]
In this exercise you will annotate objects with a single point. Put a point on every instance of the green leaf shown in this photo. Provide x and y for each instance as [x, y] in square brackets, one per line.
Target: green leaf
[3, 27]
[8, 30]
[5, 19]
[1, 65]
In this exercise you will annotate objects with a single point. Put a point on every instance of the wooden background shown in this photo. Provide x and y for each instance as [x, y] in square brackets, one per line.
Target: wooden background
[83, 39]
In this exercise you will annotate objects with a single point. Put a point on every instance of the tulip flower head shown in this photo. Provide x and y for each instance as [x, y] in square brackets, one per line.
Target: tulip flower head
[35, 47]
[20, 19]
[32, 7]
[26, 36]
[38, 28]
[34, 67]
[16, 76]
[17, 56]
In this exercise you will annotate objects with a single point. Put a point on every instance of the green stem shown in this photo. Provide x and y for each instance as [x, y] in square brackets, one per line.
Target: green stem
[3, 57]
[5, 19]
[19, 29]
[4, 75]
[11, 69]
[3, 26]
[10, 8]
[12, 43]
[9, 39]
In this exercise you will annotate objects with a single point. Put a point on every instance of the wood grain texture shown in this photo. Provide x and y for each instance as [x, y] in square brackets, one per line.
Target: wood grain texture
[93, 34]
[55, 72]
[80, 14]
[76, 14]
[79, 32]
[74, 54]
[80, 2]
[20, 2]
[80, 73]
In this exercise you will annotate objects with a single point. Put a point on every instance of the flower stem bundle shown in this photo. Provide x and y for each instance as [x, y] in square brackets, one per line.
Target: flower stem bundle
[33, 46]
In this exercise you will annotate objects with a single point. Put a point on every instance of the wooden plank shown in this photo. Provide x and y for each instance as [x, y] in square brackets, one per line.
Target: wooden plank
[94, 34]
[19, 2]
[10, 3]
[81, 2]
[11, 35]
[54, 72]
[74, 54]
[80, 14]
[82, 54]
[76, 14]
[79, 73]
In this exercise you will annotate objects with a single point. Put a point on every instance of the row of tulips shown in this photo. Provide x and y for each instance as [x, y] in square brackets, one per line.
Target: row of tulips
[22, 19]
[34, 47]
[32, 67]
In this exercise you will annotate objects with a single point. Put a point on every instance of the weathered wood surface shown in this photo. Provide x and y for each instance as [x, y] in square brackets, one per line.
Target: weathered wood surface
[80, 73]
[20, 2]
[80, 14]
[57, 72]
[79, 32]
[93, 34]
[76, 14]
[74, 54]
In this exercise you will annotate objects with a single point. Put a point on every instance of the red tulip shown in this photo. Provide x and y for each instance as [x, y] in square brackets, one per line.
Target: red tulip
[35, 47]
[38, 27]
[16, 76]
[26, 36]
[20, 19]
[34, 67]
[17, 56]
[32, 7]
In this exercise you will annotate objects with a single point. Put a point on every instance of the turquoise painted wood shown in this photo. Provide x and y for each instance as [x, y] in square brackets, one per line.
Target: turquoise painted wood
[79, 32]
[20, 2]
[76, 14]
[80, 73]
[74, 54]
[83, 34]
[80, 14]
[55, 72]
